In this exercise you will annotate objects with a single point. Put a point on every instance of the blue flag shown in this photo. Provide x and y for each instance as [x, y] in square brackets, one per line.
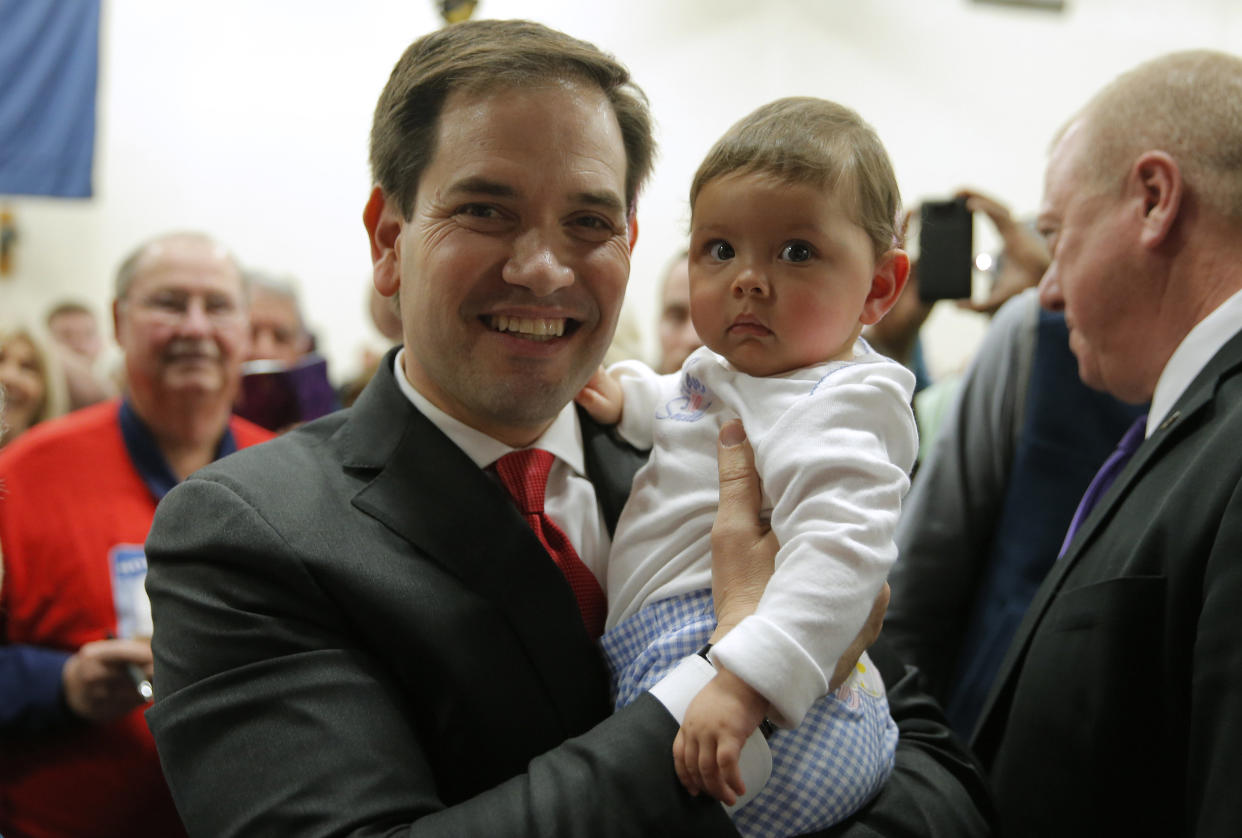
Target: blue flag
[49, 62]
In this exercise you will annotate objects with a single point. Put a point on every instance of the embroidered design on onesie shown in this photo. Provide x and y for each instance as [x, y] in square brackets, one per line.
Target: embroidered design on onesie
[691, 404]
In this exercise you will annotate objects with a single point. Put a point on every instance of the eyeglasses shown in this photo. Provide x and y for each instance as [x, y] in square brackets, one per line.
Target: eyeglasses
[171, 307]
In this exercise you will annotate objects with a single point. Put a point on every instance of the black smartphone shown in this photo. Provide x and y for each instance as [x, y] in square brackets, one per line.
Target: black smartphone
[946, 250]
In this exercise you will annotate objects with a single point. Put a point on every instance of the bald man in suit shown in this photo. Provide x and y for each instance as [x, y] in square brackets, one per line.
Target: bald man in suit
[1118, 709]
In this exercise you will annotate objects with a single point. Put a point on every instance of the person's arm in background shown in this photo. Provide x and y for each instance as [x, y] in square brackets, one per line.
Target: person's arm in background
[946, 525]
[43, 690]
[937, 789]
[30, 690]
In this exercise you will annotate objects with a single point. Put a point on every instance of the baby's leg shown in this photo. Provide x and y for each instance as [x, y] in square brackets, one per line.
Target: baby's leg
[645, 647]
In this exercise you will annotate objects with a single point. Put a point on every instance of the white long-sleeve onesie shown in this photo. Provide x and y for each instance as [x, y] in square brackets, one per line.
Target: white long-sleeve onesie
[834, 444]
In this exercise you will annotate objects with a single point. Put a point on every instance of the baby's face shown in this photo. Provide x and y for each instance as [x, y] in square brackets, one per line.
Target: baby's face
[779, 273]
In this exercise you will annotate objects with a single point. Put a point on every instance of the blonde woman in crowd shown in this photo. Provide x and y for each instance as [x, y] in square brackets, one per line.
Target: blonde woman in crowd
[31, 376]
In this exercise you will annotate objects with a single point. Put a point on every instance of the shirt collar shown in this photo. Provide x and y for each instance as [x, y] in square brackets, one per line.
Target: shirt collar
[146, 456]
[1198, 347]
[563, 437]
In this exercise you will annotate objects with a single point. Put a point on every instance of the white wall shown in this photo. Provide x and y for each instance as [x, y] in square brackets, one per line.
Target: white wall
[249, 118]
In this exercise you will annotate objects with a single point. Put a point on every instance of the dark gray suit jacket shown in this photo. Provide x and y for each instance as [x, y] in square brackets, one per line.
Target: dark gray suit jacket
[1118, 710]
[356, 634]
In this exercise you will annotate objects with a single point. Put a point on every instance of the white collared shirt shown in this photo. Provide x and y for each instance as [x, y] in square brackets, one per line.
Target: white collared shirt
[569, 491]
[1198, 347]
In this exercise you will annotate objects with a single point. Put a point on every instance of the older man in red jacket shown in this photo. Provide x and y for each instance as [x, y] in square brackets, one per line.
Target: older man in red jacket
[77, 758]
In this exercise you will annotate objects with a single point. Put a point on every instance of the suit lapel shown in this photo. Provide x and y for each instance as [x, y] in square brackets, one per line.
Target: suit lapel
[431, 494]
[1179, 422]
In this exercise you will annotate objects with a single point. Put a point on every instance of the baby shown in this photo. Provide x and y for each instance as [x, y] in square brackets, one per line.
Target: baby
[794, 249]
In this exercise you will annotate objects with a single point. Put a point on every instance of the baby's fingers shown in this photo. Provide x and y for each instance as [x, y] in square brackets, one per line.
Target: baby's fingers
[602, 397]
[592, 402]
[728, 757]
[712, 778]
[683, 760]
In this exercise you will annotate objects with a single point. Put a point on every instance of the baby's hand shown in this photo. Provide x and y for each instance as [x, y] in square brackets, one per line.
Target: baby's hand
[602, 397]
[718, 722]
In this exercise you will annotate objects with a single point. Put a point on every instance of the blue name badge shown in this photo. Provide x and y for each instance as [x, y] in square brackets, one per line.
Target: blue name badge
[128, 566]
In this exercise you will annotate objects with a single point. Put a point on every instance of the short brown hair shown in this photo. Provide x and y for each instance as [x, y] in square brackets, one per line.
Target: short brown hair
[806, 140]
[1186, 104]
[485, 55]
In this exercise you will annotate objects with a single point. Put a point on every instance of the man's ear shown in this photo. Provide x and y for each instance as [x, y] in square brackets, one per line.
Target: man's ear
[1156, 180]
[631, 226]
[383, 219]
[891, 272]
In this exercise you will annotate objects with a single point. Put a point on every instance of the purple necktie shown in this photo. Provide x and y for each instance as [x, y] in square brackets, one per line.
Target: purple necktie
[1105, 477]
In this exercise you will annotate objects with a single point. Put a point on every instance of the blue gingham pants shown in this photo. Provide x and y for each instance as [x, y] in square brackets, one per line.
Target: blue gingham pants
[822, 771]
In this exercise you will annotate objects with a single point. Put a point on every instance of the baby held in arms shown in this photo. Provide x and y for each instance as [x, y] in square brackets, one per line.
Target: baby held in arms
[795, 247]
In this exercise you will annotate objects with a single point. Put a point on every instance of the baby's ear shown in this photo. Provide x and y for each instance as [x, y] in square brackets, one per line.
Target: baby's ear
[891, 272]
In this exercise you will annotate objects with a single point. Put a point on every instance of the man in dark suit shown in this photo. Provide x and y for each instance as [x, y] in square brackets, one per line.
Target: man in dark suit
[356, 631]
[1118, 709]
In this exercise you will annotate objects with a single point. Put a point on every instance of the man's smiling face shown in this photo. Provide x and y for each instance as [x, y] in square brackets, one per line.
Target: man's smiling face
[513, 263]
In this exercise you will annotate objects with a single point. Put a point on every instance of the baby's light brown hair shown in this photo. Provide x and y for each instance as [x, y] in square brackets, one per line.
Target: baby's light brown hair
[813, 141]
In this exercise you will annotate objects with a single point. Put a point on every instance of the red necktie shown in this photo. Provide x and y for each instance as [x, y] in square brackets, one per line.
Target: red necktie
[525, 476]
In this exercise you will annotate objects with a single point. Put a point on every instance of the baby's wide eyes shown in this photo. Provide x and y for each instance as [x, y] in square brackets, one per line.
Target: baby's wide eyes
[796, 252]
[720, 250]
